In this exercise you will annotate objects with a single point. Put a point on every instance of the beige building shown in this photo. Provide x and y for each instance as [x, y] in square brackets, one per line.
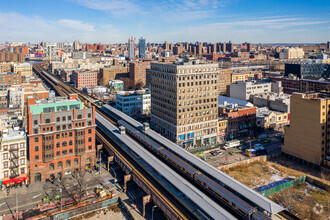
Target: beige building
[307, 137]
[24, 68]
[224, 78]
[244, 76]
[184, 102]
[112, 73]
[222, 128]
[271, 119]
[292, 53]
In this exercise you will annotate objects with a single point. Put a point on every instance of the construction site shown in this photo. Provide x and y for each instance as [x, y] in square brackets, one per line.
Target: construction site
[294, 190]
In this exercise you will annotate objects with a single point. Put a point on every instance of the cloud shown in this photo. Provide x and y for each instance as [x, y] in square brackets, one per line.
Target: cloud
[114, 7]
[16, 27]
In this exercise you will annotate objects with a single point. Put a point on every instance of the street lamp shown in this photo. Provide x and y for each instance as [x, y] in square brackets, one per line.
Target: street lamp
[152, 212]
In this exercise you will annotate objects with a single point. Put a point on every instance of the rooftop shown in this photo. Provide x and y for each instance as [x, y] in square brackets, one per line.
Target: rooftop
[224, 100]
[264, 112]
[133, 93]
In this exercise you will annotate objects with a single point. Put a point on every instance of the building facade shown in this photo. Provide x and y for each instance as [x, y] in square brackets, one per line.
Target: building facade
[292, 53]
[137, 71]
[112, 73]
[13, 156]
[61, 137]
[184, 99]
[307, 137]
[9, 79]
[131, 48]
[84, 78]
[268, 119]
[224, 78]
[134, 103]
[142, 48]
[313, 70]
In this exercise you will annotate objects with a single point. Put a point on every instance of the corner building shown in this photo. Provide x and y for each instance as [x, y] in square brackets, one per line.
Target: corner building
[61, 137]
[184, 102]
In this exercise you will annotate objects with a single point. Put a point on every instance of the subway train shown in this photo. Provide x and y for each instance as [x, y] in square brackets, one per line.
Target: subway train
[244, 209]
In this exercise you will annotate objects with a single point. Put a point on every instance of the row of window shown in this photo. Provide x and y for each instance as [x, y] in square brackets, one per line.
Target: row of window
[13, 155]
[14, 146]
[6, 172]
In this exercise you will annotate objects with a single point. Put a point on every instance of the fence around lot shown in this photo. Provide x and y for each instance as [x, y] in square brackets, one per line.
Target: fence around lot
[282, 186]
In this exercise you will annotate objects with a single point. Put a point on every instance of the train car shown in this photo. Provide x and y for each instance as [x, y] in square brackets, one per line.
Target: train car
[230, 199]
[185, 168]
[260, 216]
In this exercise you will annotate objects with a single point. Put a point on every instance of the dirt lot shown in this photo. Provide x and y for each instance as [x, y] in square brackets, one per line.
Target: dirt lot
[304, 200]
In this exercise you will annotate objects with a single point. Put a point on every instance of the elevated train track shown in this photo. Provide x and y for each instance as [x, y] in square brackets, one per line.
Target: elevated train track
[266, 205]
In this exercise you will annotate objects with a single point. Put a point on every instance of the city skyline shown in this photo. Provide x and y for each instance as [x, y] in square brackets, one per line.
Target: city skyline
[109, 21]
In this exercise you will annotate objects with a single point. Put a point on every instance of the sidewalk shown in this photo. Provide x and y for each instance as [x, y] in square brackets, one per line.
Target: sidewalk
[137, 214]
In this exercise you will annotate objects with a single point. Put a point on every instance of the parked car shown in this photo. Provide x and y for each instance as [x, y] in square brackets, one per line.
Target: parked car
[257, 145]
[216, 152]
[278, 135]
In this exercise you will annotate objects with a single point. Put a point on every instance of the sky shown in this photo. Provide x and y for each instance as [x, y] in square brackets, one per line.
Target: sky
[113, 21]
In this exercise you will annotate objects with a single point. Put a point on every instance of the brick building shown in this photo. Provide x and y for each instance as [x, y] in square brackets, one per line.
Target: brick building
[241, 120]
[9, 79]
[224, 78]
[112, 73]
[12, 57]
[84, 78]
[137, 71]
[61, 137]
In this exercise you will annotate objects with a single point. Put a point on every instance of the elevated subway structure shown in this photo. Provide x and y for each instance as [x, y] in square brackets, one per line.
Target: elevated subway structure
[263, 203]
[199, 204]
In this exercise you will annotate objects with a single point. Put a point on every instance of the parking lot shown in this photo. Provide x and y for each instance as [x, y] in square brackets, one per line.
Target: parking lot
[272, 143]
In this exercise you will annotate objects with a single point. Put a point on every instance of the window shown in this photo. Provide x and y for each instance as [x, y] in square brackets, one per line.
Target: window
[23, 171]
[70, 151]
[22, 153]
[35, 122]
[22, 145]
[47, 121]
[36, 131]
[5, 165]
[58, 145]
[79, 117]
[51, 166]
[90, 147]
[69, 117]
[36, 157]
[22, 161]
[89, 139]
[36, 139]
[68, 163]
[75, 162]
[6, 173]
[57, 153]
[5, 156]
[89, 131]
[58, 128]
[63, 118]
[64, 152]
[59, 165]
[89, 115]
[64, 144]
[36, 148]
[70, 134]
[58, 119]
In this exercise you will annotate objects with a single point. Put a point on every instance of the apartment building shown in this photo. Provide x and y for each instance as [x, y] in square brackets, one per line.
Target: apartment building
[137, 71]
[13, 156]
[84, 78]
[61, 137]
[9, 79]
[292, 53]
[24, 68]
[307, 137]
[112, 73]
[12, 57]
[184, 99]
[245, 76]
[224, 79]
[134, 103]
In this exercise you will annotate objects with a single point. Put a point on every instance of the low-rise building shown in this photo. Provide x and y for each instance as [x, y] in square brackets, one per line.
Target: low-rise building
[267, 119]
[134, 103]
[222, 128]
[245, 76]
[244, 90]
[274, 101]
[13, 155]
[116, 85]
[9, 79]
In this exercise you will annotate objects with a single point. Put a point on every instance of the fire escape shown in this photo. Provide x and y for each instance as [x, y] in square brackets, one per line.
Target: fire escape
[14, 161]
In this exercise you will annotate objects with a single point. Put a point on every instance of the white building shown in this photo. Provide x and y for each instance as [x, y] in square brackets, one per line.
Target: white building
[292, 53]
[244, 90]
[24, 68]
[134, 103]
[13, 156]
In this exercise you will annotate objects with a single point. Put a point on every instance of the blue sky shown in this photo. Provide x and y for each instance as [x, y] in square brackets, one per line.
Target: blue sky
[113, 21]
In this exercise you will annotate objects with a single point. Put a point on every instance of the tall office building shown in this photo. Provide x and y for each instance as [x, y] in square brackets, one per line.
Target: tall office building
[131, 48]
[61, 137]
[307, 137]
[184, 102]
[142, 48]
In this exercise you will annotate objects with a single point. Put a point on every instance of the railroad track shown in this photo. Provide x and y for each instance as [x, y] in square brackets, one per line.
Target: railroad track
[63, 90]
